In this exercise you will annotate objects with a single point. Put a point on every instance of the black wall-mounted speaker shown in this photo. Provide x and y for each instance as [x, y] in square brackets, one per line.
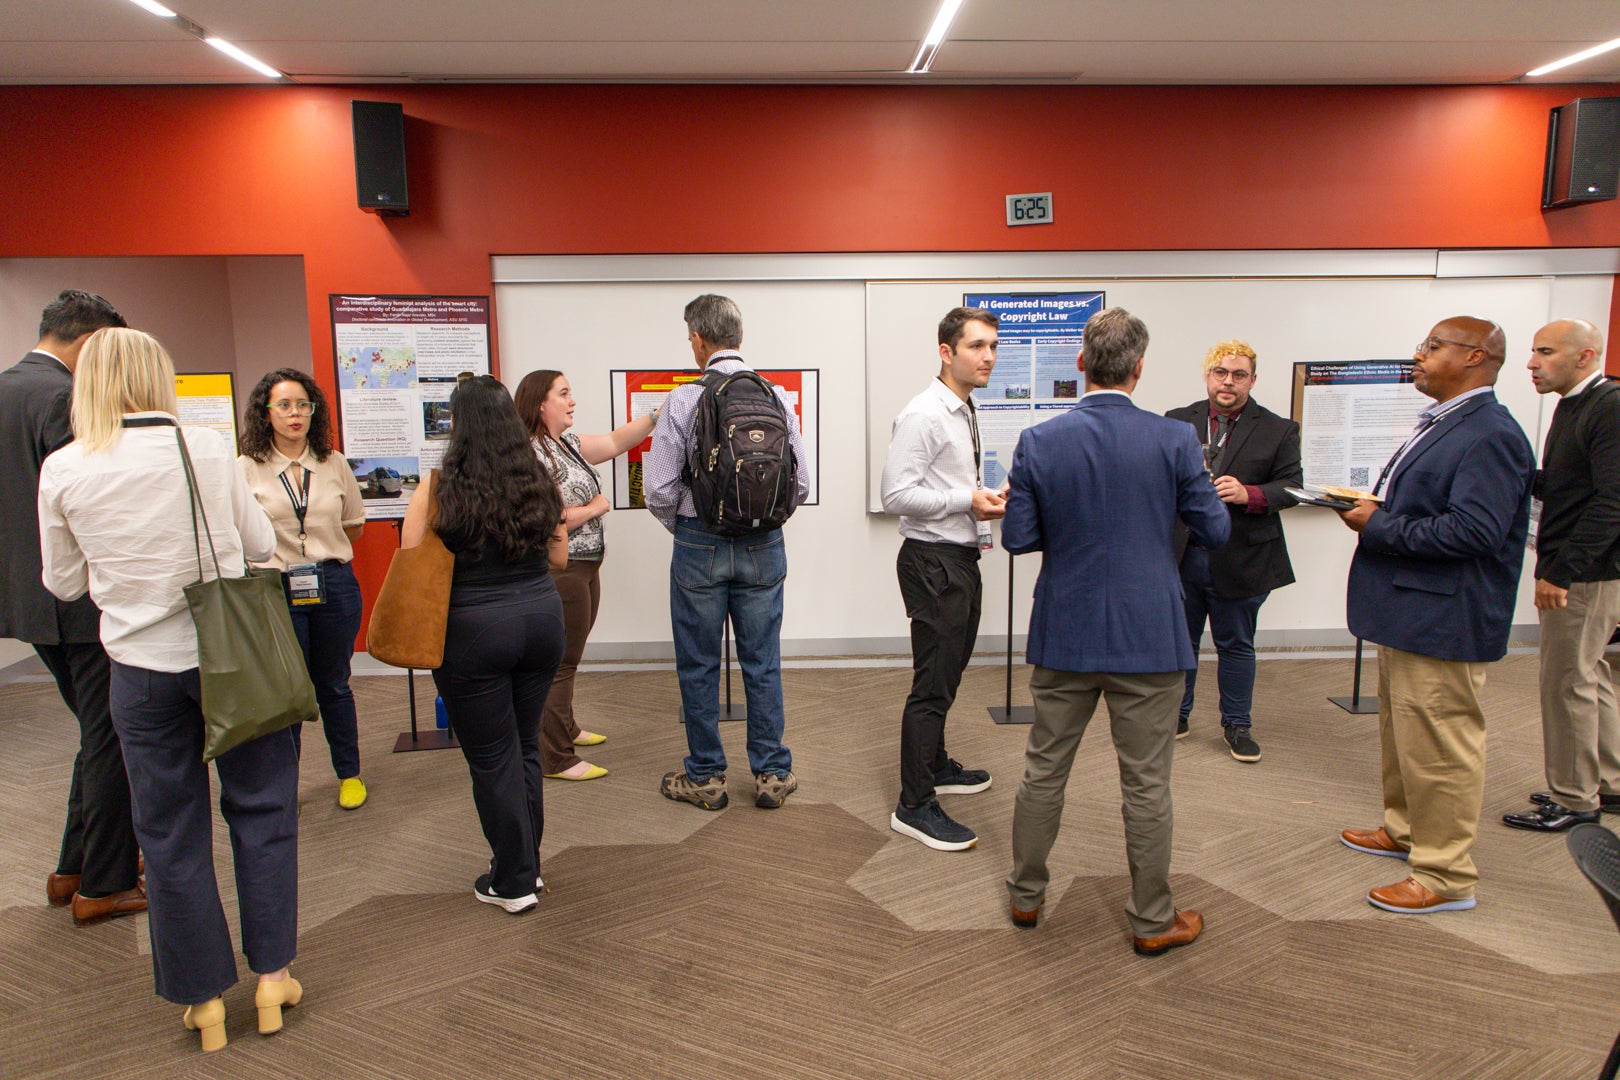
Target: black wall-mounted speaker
[1583, 153]
[379, 157]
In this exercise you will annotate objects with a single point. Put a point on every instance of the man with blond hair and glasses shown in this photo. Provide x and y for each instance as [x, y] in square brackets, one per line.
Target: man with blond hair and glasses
[1433, 583]
[1252, 456]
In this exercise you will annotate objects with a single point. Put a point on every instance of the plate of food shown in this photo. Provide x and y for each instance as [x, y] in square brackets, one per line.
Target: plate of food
[1330, 496]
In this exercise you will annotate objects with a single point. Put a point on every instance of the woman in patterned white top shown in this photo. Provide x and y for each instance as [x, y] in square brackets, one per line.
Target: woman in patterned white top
[546, 403]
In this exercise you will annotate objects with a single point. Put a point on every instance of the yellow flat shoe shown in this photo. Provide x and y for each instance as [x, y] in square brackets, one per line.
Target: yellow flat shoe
[590, 738]
[208, 1019]
[352, 793]
[589, 772]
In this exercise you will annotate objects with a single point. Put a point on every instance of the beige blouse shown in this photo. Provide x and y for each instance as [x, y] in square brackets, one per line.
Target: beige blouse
[334, 505]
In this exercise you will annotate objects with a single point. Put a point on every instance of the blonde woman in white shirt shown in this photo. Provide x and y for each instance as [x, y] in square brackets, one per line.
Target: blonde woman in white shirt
[314, 502]
[115, 520]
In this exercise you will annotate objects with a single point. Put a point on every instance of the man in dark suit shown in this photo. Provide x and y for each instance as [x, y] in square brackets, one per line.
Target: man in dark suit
[1433, 583]
[1577, 579]
[1253, 454]
[96, 871]
[1099, 491]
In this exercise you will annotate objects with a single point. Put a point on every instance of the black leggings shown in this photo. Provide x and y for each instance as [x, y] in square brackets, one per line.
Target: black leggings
[501, 649]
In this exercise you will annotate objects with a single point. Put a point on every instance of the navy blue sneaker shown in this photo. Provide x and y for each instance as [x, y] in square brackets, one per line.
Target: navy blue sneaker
[955, 780]
[931, 825]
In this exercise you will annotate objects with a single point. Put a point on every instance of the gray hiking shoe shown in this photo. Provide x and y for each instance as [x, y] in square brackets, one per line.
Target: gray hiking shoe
[708, 793]
[772, 791]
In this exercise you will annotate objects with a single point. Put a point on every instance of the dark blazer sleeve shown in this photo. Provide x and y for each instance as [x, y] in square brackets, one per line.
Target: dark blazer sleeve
[1286, 470]
[1021, 524]
[56, 427]
[1598, 526]
[1483, 497]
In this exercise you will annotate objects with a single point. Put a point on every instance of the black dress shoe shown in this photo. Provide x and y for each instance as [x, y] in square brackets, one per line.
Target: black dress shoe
[1609, 804]
[1549, 817]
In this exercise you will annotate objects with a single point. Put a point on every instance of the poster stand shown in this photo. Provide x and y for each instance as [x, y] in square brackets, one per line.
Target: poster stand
[1355, 703]
[1008, 713]
[728, 711]
[437, 738]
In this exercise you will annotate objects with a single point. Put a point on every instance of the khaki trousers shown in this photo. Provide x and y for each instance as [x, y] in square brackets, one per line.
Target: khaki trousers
[1142, 714]
[1433, 732]
[1580, 724]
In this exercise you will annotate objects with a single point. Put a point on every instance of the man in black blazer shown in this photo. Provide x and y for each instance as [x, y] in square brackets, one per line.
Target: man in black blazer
[1253, 455]
[97, 870]
[1577, 579]
[1433, 584]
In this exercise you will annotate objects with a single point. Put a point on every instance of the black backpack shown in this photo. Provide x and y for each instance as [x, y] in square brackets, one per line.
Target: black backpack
[741, 469]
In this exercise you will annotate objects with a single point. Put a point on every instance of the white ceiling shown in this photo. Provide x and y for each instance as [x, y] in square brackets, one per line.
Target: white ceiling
[812, 41]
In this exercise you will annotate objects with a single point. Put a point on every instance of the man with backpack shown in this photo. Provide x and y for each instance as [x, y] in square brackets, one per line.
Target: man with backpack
[933, 478]
[726, 469]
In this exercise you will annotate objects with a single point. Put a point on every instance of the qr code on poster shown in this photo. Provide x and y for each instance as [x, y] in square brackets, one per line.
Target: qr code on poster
[1359, 477]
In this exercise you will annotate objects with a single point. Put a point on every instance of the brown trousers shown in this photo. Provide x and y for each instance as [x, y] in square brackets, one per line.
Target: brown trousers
[1580, 724]
[580, 587]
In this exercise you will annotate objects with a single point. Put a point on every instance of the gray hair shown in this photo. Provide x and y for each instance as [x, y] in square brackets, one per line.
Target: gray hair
[715, 319]
[1114, 340]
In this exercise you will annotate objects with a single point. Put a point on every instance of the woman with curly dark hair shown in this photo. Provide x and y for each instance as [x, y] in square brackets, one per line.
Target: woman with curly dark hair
[314, 502]
[500, 514]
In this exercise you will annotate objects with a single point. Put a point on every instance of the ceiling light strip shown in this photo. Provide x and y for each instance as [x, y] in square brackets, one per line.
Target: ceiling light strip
[935, 37]
[235, 52]
[1596, 50]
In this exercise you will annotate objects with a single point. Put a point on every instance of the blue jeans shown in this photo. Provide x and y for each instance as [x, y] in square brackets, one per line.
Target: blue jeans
[711, 578]
[1231, 624]
[326, 633]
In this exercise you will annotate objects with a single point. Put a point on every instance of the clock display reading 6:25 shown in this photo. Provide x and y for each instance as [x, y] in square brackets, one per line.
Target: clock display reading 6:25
[1030, 209]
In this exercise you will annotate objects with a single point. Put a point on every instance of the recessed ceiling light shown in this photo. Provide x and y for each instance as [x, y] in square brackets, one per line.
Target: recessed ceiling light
[1596, 50]
[935, 37]
[241, 57]
[154, 7]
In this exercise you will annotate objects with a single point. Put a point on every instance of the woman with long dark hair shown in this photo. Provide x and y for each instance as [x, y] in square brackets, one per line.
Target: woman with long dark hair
[499, 513]
[115, 519]
[314, 502]
[546, 403]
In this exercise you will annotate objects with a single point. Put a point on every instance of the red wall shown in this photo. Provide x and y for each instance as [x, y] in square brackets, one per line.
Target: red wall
[601, 169]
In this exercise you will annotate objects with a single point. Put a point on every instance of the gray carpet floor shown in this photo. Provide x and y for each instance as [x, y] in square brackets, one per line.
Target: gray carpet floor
[812, 941]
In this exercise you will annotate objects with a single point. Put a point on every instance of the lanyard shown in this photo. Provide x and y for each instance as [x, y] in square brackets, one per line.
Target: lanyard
[1411, 440]
[299, 508]
[973, 429]
[596, 481]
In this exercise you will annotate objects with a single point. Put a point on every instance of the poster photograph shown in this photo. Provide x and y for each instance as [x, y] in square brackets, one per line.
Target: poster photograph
[636, 393]
[397, 360]
[1035, 377]
[1353, 416]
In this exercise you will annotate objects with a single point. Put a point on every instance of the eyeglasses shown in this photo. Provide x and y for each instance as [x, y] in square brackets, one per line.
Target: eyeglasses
[1429, 346]
[286, 408]
[1221, 374]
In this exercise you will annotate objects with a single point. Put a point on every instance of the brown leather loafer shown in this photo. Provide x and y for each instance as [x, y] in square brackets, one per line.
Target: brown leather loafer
[1183, 931]
[1025, 920]
[88, 911]
[1372, 841]
[59, 889]
[1412, 897]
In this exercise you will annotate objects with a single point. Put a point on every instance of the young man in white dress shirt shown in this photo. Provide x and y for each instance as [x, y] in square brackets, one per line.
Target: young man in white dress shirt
[933, 478]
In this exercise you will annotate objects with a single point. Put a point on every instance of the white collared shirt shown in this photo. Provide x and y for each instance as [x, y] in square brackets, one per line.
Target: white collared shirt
[1584, 385]
[117, 523]
[930, 473]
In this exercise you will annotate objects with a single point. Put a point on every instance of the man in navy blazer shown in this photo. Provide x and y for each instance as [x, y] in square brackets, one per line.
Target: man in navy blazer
[1433, 583]
[1099, 492]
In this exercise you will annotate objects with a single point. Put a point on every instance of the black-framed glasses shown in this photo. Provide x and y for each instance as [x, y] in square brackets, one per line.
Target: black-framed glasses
[286, 408]
[1431, 344]
[1222, 374]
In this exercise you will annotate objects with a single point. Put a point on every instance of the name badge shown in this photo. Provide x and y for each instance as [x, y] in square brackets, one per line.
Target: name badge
[987, 542]
[306, 584]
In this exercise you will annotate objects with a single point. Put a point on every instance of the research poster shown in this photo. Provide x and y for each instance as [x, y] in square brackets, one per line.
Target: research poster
[1035, 377]
[636, 393]
[1353, 416]
[208, 401]
[397, 360]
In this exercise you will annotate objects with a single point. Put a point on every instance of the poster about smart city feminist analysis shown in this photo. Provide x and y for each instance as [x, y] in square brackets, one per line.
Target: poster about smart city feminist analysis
[1035, 377]
[397, 359]
[636, 393]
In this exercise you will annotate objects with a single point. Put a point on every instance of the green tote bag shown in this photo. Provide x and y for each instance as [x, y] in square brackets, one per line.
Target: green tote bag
[254, 680]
